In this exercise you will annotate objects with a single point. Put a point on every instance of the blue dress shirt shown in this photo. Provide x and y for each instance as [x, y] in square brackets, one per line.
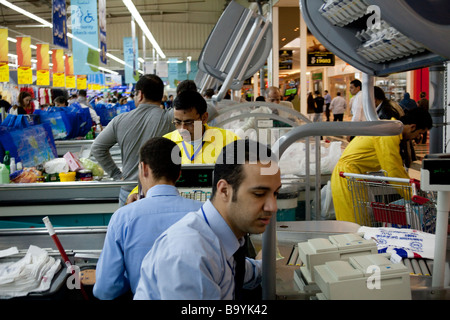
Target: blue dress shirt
[131, 233]
[193, 260]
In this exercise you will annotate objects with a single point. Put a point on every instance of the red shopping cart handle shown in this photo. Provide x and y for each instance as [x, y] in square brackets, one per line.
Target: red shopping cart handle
[419, 199]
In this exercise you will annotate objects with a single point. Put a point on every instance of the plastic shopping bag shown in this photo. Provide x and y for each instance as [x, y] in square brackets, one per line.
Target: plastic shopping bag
[32, 146]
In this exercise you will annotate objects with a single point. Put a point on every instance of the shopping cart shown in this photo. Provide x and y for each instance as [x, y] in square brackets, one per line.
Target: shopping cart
[380, 201]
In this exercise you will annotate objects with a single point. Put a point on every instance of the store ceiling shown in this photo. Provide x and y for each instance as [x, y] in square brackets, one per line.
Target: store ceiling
[204, 12]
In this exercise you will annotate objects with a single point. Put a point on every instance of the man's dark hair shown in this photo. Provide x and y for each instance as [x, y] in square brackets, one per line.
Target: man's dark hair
[229, 164]
[356, 83]
[209, 93]
[82, 93]
[161, 156]
[151, 86]
[418, 116]
[379, 93]
[61, 99]
[188, 100]
[186, 85]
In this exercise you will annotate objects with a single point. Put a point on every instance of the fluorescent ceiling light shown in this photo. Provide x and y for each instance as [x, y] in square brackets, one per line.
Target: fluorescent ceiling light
[107, 70]
[24, 12]
[48, 24]
[136, 15]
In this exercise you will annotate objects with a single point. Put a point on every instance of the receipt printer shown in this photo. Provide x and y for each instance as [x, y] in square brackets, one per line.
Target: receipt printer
[316, 252]
[368, 277]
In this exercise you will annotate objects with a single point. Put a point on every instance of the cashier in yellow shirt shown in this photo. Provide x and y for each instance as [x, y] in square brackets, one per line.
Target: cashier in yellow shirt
[198, 142]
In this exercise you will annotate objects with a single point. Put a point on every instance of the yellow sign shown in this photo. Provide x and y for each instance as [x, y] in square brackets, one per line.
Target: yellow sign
[59, 80]
[82, 82]
[43, 78]
[4, 47]
[4, 72]
[24, 75]
[70, 82]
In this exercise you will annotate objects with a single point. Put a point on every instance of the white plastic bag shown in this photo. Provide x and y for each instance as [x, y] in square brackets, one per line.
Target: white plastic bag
[57, 165]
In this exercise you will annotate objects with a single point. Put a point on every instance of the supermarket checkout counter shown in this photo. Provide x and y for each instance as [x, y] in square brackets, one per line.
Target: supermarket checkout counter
[83, 246]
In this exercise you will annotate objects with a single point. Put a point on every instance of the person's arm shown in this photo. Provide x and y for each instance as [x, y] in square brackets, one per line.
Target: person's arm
[110, 280]
[100, 150]
[388, 154]
[253, 273]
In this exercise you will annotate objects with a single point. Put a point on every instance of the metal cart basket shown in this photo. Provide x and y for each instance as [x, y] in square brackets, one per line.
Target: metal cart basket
[380, 201]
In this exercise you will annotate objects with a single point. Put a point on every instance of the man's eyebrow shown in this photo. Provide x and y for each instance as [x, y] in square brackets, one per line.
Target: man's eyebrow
[265, 188]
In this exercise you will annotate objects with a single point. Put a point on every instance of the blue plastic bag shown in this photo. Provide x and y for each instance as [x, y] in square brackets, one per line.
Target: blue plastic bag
[32, 146]
[58, 120]
[81, 120]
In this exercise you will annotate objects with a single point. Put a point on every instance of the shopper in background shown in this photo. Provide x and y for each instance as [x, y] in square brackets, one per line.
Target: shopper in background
[338, 106]
[197, 257]
[311, 106]
[407, 103]
[384, 108]
[356, 102]
[133, 229]
[327, 98]
[82, 98]
[319, 102]
[424, 104]
[24, 102]
[373, 153]
[130, 130]
[61, 102]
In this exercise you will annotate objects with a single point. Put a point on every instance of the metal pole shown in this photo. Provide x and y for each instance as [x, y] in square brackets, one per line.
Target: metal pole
[437, 108]
[440, 249]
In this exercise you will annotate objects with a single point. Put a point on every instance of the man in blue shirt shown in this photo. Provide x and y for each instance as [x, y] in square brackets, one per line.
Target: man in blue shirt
[194, 258]
[134, 227]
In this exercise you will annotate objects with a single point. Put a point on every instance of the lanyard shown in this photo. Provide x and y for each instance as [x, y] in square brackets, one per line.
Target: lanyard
[191, 158]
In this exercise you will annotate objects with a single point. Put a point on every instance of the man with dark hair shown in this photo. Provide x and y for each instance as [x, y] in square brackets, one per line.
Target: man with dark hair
[131, 130]
[133, 228]
[372, 153]
[356, 102]
[199, 143]
[196, 258]
[61, 102]
[82, 98]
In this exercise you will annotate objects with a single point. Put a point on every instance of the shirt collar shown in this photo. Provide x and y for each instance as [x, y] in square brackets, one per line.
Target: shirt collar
[222, 230]
[162, 190]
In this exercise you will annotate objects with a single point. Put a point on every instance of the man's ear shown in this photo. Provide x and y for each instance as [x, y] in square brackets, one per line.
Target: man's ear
[413, 127]
[204, 117]
[145, 169]
[224, 190]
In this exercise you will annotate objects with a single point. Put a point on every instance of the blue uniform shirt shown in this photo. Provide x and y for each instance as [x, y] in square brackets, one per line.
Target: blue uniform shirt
[193, 260]
[131, 233]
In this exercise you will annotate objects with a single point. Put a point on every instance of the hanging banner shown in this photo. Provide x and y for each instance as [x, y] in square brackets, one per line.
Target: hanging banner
[86, 55]
[131, 60]
[82, 82]
[59, 18]
[23, 49]
[58, 68]
[42, 64]
[70, 77]
[4, 67]
[102, 29]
